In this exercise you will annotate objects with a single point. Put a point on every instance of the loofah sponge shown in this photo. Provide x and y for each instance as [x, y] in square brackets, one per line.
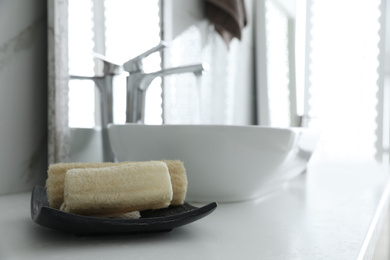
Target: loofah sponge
[179, 181]
[117, 189]
[56, 179]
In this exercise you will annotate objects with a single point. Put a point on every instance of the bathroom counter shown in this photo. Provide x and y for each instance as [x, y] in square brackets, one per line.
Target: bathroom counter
[333, 211]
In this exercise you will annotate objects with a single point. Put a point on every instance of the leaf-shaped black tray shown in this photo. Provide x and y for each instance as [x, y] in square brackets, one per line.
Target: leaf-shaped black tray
[150, 221]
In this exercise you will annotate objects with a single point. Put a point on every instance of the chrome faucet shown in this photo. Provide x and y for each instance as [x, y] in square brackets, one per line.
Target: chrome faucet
[138, 82]
[105, 85]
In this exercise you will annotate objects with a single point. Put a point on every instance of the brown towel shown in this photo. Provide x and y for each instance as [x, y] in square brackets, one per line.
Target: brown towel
[228, 16]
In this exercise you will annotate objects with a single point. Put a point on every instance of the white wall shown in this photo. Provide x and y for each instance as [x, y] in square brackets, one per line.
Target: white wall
[23, 94]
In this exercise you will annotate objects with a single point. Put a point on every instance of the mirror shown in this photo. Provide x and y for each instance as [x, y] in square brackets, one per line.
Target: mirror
[226, 96]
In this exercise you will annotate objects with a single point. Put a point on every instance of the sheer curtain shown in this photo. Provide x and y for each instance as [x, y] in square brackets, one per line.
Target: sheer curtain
[224, 93]
[342, 80]
[339, 73]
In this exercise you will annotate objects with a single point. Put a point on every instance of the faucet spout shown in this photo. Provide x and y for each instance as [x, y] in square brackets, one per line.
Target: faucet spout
[148, 78]
[139, 82]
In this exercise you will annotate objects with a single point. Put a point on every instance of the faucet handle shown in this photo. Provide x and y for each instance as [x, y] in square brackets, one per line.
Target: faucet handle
[109, 67]
[135, 64]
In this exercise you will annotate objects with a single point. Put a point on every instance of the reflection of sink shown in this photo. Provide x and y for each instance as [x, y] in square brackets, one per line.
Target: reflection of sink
[224, 163]
[86, 145]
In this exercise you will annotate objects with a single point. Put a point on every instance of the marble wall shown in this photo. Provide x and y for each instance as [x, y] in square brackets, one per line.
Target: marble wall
[23, 94]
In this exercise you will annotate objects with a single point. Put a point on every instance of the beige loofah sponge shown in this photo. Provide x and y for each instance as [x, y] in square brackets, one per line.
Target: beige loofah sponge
[56, 178]
[179, 181]
[117, 189]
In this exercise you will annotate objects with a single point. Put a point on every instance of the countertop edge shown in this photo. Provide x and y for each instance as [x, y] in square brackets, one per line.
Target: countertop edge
[370, 241]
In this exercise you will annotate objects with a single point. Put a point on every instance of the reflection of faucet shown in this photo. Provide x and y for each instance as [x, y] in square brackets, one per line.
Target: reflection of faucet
[105, 86]
[138, 82]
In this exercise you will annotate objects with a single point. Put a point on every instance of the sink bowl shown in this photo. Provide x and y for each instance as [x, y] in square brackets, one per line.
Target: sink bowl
[86, 145]
[223, 163]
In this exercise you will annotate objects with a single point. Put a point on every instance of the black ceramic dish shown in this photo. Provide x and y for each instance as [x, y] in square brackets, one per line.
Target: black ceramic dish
[150, 221]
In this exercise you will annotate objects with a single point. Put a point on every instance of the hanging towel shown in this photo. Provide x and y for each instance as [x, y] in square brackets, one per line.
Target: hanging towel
[228, 16]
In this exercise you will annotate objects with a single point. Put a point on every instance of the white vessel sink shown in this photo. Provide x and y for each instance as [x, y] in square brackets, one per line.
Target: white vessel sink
[223, 163]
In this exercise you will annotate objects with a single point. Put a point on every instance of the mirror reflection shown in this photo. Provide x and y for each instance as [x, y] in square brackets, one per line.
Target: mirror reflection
[226, 94]
[298, 63]
[119, 30]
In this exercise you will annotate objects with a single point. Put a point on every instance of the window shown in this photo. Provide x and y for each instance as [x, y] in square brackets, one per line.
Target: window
[81, 93]
[343, 75]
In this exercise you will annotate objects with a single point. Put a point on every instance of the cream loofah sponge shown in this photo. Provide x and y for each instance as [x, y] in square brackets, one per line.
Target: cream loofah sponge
[179, 181]
[56, 179]
[117, 189]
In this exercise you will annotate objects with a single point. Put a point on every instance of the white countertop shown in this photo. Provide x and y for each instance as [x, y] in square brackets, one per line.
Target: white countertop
[334, 211]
